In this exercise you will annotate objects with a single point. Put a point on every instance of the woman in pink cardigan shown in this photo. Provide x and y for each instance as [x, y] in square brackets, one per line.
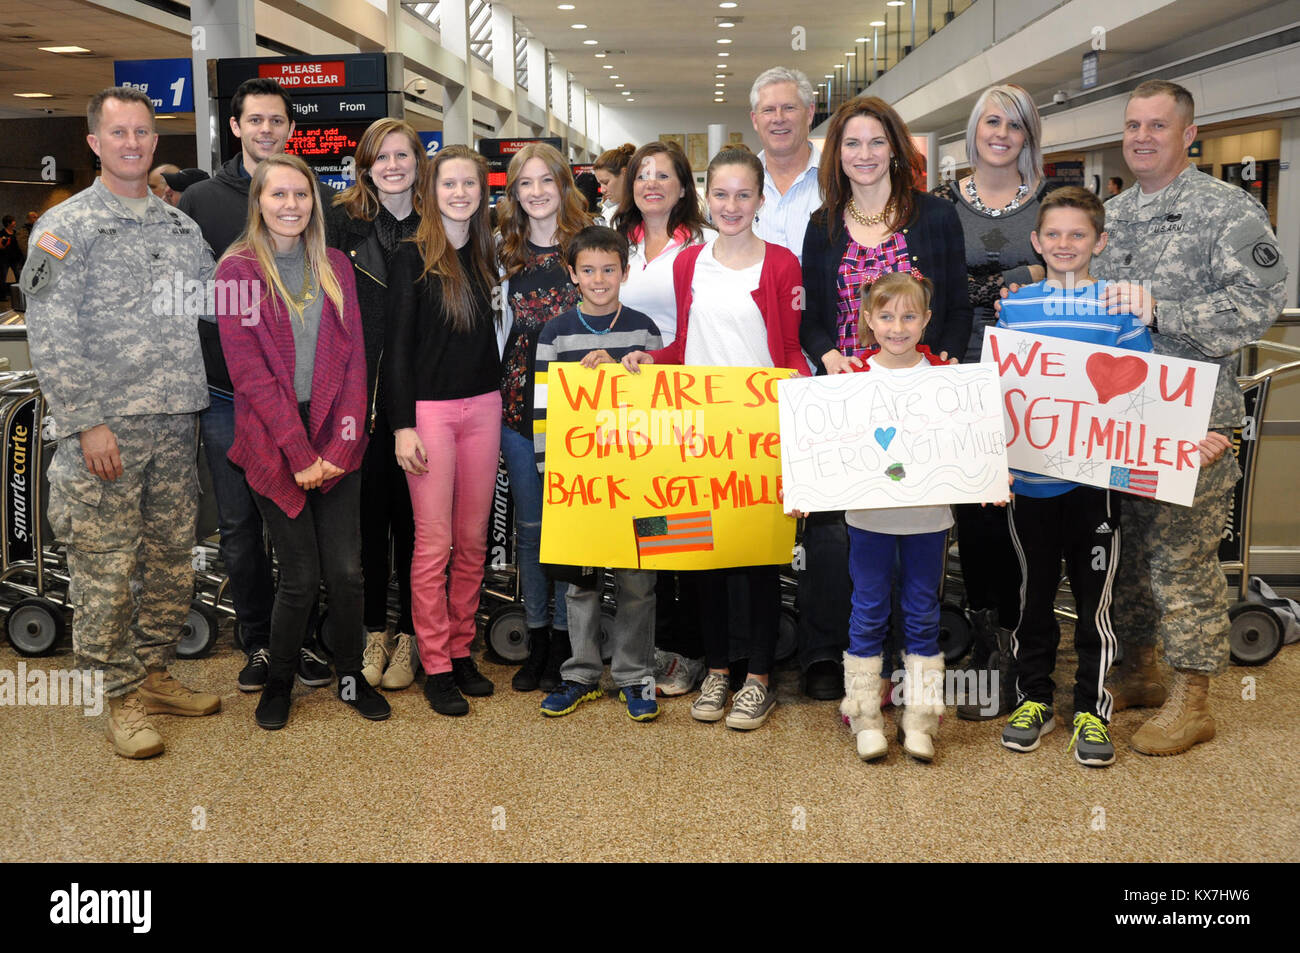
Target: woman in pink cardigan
[291, 333]
[737, 306]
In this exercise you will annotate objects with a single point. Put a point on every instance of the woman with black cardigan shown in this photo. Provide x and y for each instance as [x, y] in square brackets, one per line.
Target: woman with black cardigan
[873, 220]
[368, 222]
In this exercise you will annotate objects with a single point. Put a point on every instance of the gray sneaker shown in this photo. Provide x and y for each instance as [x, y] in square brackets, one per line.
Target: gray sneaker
[712, 703]
[1091, 741]
[751, 706]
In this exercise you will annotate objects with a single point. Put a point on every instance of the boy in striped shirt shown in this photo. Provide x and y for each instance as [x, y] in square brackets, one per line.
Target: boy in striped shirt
[1052, 518]
[600, 331]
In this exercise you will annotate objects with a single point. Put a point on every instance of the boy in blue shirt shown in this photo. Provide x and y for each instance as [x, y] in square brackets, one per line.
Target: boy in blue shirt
[599, 331]
[1052, 518]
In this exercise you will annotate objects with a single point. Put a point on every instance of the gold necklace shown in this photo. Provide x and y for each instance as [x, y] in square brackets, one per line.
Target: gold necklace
[308, 292]
[868, 220]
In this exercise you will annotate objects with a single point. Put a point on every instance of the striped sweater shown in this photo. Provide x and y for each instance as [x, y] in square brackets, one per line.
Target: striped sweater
[1076, 314]
[565, 338]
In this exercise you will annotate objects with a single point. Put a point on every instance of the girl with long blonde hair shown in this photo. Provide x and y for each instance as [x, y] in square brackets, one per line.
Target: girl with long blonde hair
[298, 365]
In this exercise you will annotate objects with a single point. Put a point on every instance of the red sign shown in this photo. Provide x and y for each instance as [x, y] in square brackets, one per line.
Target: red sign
[318, 75]
[496, 180]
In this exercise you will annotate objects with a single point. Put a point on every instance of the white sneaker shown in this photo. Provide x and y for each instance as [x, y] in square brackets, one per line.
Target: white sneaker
[403, 664]
[375, 657]
[676, 674]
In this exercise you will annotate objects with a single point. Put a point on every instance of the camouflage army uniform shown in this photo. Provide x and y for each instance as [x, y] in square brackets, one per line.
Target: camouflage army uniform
[109, 347]
[1205, 251]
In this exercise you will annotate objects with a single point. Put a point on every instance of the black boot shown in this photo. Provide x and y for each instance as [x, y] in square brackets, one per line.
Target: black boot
[354, 690]
[985, 659]
[273, 707]
[529, 674]
[559, 653]
[469, 679]
[443, 695]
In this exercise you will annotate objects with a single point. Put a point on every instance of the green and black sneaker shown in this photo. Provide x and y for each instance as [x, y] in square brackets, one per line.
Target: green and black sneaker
[1027, 725]
[1091, 741]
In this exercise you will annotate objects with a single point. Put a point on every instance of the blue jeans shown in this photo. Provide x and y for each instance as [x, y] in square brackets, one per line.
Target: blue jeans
[242, 550]
[526, 488]
[871, 565]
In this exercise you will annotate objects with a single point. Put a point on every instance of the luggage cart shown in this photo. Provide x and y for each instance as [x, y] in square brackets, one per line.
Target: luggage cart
[37, 622]
[1257, 631]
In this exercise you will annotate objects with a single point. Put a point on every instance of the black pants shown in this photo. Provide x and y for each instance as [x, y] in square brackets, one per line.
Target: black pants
[322, 541]
[677, 613]
[989, 567]
[825, 590]
[1083, 527]
[385, 510]
[764, 614]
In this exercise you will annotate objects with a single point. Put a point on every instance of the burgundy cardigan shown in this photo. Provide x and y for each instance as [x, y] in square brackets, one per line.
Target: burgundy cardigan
[780, 284]
[270, 442]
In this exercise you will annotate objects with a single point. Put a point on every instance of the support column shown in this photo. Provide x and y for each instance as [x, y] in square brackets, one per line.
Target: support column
[503, 66]
[1288, 206]
[457, 103]
[219, 29]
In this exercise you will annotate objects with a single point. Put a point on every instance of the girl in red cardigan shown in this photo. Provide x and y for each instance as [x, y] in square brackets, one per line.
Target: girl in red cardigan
[736, 306]
[297, 360]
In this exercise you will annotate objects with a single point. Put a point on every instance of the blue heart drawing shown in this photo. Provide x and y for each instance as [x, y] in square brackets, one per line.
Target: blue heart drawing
[885, 437]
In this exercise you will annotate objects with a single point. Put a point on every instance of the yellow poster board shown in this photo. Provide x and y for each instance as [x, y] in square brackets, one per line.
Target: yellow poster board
[672, 468]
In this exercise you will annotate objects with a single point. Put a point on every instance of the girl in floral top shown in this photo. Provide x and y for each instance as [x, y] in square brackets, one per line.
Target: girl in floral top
[540, 212]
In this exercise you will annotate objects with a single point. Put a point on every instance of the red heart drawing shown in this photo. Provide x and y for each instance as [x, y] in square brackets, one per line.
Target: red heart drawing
[1112, 376]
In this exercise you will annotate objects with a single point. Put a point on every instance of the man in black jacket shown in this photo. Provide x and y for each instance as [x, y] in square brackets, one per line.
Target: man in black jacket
[261, 119]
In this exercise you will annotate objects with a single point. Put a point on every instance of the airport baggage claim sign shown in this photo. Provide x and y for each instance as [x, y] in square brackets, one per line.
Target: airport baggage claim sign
[334, 99]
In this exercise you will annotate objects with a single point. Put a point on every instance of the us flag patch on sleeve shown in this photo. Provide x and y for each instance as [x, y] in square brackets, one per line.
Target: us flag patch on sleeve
[53, 244]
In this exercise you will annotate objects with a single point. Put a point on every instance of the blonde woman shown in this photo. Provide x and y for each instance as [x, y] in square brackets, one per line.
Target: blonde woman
[298, 365]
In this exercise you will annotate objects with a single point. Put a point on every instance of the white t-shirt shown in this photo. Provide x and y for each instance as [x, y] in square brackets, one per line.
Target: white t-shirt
[901, 520]
[726, 328]
[649, 286]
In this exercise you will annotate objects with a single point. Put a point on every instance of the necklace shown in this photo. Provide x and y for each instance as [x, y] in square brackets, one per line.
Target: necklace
[308, 292]
[979, 206]
[869, 220]
[592, 330]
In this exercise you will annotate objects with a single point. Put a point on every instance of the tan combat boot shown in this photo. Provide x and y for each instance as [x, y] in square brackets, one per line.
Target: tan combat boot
[129, 729]
[1184, 720]
[162, 694]
[1136, 681]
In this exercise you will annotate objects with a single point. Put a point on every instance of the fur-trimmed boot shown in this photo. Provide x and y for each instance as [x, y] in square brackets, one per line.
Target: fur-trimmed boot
[1136, 682]
[861, 704]
[923, 705]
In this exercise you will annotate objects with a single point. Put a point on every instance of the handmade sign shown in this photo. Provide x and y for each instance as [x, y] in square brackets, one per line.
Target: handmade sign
[878, 440]
[1103, 416]
[672, 468]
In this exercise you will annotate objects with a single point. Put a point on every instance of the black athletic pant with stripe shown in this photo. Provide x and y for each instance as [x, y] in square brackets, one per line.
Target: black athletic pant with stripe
[1081, 526]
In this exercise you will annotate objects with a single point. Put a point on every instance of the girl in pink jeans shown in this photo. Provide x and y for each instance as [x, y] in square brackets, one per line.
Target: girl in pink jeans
[442, 367]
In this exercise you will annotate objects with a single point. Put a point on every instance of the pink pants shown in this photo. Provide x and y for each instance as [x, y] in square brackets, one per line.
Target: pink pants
[451, 503]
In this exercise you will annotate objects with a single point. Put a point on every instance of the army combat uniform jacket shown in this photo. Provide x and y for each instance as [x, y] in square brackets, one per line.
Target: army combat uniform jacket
[1210, 259]
[111, 308]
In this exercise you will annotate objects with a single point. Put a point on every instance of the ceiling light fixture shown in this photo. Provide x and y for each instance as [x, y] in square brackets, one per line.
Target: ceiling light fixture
[724, 40]
[619, 85]
[589, 42]
[725, 25]
[861, 39]
[721, 53]
[35, 95]
[564, 6]
[578, 26]
[876, 23]
[601, 56]
[65, 49]
[728, 5]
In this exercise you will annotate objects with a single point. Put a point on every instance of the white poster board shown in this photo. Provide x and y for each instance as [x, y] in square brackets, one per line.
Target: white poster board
[879, 440]
[1103, 416]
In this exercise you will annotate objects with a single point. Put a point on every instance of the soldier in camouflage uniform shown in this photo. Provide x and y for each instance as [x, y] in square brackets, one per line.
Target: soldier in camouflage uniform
[118, 360]
[1195, 257]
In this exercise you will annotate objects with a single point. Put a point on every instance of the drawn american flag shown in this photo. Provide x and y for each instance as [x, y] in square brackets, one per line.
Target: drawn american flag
[678, 533]
[1137, 482]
